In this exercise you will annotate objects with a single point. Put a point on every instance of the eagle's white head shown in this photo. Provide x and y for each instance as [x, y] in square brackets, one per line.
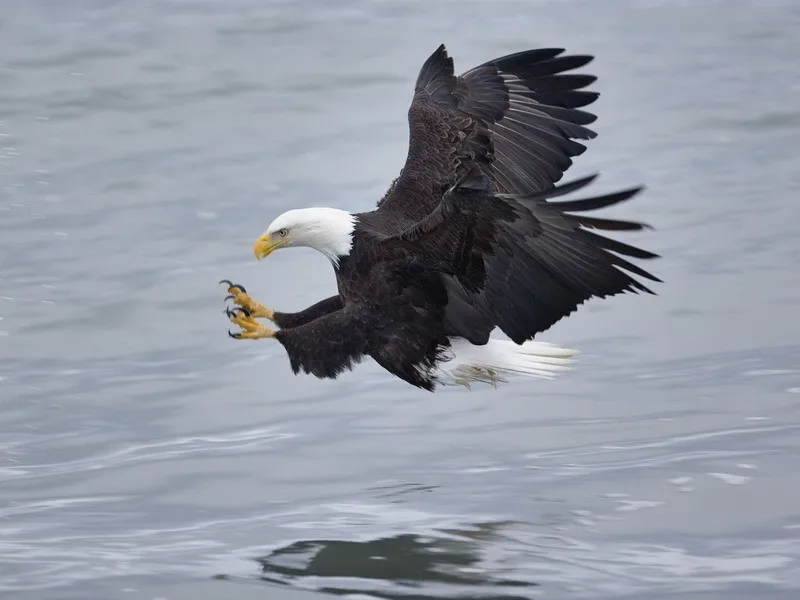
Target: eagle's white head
[328, 230]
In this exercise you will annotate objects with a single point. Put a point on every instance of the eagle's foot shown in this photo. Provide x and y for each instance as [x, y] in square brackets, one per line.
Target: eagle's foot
[239, 295]
[253, 330]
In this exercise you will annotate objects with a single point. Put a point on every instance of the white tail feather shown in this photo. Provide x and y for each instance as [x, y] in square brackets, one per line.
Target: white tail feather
[498, 358]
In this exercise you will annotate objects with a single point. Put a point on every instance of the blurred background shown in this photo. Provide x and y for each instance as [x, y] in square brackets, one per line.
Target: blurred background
[143, 148]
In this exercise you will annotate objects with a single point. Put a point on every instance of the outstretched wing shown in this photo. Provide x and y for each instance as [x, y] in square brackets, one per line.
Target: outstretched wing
[521, 261]
[516, 118]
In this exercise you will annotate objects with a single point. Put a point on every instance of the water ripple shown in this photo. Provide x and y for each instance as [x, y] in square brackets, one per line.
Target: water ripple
[216, 444]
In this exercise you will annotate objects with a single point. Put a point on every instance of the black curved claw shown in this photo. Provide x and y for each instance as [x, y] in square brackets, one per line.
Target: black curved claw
[235, 336]
[229, 297]
[232, 285]
[232, 312]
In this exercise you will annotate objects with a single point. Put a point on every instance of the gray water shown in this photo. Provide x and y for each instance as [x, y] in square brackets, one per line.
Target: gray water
[145, 145]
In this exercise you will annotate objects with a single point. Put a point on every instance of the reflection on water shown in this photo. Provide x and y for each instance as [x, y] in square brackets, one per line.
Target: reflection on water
[446, 564]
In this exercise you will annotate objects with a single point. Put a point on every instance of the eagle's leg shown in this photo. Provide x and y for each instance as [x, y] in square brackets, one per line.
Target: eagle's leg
[239, 295]
[253, 330]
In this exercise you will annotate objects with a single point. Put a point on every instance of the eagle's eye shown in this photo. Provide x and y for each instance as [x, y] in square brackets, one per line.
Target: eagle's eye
[283, 232]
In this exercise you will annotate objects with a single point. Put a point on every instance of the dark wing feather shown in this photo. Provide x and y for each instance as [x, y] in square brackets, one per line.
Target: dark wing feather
[523, 262]
[515, 117]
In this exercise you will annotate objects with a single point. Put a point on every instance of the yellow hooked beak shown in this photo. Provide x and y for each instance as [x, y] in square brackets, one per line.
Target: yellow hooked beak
[266, 244]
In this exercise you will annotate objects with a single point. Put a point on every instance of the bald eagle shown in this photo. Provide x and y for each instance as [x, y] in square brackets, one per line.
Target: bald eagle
[467, 239]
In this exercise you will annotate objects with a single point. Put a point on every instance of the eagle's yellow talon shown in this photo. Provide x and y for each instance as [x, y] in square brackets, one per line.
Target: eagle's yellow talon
[253, 330]
[239, 295]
